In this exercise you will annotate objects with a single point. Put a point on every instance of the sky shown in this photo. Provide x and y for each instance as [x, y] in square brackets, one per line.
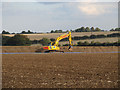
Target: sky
[39, 16]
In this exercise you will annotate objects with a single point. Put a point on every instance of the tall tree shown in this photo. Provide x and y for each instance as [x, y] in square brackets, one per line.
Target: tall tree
[5, 32]
[87, 29]
[52, 31]
[117, 29]
[29, 32]
[112, 29]
[82, 29]
[92, 29]
[56, 31]
[60, 31]
[23, 32]
[97, 29]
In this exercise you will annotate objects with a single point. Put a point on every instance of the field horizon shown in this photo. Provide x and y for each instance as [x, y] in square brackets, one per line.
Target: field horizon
[80, 34]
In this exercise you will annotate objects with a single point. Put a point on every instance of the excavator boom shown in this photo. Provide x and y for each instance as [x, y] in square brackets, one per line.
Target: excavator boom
[54, 45]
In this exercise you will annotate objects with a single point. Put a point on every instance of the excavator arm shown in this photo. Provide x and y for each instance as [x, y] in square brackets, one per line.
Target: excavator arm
[62, 37]
[54, 45]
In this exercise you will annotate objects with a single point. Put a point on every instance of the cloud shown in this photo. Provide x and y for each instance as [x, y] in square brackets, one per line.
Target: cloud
[94, 8]
[60, 0]
[45, 17]
[96, 0]
[91, 9]
[19, 0]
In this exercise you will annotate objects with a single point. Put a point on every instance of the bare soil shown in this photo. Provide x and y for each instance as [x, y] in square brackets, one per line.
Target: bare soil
[61, 70]
[10, 49]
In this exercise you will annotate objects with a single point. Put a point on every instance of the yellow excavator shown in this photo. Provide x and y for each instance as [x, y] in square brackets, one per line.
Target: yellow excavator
[53, 46]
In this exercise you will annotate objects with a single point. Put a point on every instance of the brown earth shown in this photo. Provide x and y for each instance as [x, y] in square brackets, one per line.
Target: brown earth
[8, 49]
[60, 70]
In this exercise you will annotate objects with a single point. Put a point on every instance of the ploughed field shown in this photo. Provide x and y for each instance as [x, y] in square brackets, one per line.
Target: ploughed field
[61, 70]
[55, 35]
[13, 49]
[80, 34]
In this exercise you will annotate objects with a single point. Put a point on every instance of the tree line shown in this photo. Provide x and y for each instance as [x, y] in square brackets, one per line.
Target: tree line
[17, 40]
[91, 37]
[22, 40]
[98, 43]
[116, 29]
[92, 43]
[23, 32]
[82, 29]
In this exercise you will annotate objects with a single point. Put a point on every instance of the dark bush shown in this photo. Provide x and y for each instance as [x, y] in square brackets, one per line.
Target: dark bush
[44, 41]
[93, 36]
[80, 44]
[85, 37]
[4, 40]
[18, 40]
[35, 42]
[101, 36]
[86, 43]
[52, 39]
[114, 35]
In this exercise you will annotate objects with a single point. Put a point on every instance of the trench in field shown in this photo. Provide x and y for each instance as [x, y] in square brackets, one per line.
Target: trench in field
[59, 52]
